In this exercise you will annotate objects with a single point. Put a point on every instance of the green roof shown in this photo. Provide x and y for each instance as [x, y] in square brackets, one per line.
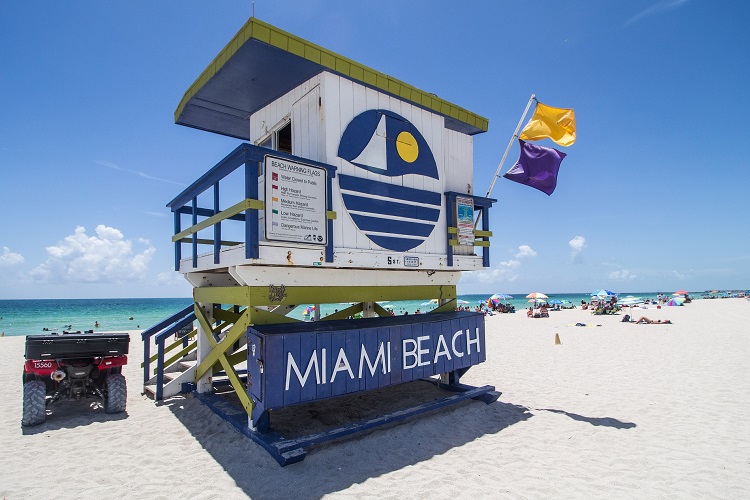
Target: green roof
[262, 63]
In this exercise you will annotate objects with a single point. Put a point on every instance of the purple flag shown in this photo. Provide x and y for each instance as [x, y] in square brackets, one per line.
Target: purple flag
[537, 167]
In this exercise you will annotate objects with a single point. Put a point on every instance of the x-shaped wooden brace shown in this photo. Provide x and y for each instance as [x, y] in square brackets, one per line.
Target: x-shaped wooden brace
[219, 353]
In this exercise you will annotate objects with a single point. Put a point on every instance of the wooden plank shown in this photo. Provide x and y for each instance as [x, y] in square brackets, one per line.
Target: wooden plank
[246, 204]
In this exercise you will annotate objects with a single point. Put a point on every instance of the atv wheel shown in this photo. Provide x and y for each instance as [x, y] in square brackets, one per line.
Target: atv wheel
[117, 393]
[34, 402]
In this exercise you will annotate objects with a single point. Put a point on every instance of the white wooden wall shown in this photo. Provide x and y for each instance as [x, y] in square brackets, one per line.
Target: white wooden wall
[321, 109]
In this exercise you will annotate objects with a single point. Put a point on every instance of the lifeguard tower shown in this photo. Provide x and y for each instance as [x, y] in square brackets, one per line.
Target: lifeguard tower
[350, 188]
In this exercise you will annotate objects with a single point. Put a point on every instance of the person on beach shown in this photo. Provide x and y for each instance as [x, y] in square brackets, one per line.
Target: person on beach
[643, 320]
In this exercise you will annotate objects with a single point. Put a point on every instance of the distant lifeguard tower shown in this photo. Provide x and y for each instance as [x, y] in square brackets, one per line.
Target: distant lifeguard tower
[351, 187]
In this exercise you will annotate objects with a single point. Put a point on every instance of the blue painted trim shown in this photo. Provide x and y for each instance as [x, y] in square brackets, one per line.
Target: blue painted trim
[177, 244]
[160, 371]
[252, 234]
[194, 221]
[391, 208]
[204, 212]
[176, 321]
[329, 207]
[368, 186]
[174, 328]
[288, 451]
[365, 223]
[242, 154]
[150, 332]
[395, 244]
[217, 226]
[237, 418]
[250, 157]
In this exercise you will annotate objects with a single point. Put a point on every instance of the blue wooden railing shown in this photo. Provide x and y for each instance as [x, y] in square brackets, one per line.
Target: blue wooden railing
[161, 332]
[245, 211]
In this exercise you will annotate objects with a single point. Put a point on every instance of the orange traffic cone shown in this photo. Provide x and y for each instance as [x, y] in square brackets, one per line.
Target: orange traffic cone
[557, 339]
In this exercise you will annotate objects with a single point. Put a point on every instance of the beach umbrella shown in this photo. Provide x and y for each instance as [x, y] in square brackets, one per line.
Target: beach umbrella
[680, 292]
[630, 301]
[501, 296]
[676, 301]
[554, 301]
[601, 293]
[462, 302]
[536, 295]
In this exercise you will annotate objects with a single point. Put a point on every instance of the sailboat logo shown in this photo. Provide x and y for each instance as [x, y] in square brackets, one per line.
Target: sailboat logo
[393, 216]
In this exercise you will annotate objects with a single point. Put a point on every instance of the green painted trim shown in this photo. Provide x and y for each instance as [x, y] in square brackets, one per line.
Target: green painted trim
[170, 347]
[179, 354]
[380, 310]
[481, 243]
[261, 317]
[226, 315]
[218, 353]
[294, 295]
[220, 348]
[237, 357]
[477, 232]
[345, 313]
[258, 30]
[447, 307]
[202, 241]
[246, 204]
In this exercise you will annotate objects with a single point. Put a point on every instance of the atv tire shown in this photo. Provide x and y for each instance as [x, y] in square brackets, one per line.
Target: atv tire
[117, 393]
[34, 402]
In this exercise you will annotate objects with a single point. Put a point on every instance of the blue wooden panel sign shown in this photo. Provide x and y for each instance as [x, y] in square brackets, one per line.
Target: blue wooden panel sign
[302, 362]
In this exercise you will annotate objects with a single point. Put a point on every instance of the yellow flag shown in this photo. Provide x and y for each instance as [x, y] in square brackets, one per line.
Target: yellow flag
[559, 124]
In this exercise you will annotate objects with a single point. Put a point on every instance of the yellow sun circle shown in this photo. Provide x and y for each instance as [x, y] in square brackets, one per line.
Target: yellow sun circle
[407, 148]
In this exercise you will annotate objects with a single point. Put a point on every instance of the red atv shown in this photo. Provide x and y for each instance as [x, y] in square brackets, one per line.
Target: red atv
[74, 366]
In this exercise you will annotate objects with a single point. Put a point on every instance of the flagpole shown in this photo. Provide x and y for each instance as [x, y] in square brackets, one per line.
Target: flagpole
[510, 144]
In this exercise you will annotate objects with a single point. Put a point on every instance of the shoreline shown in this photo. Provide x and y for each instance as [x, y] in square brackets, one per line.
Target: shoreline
[620, 409]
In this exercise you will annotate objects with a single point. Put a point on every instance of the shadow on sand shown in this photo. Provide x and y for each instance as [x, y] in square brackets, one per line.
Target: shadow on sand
[339, 464]
[596, 421]
[69, 414]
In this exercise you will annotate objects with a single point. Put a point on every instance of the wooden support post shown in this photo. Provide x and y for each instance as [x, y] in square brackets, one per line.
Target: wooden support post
[204, 314]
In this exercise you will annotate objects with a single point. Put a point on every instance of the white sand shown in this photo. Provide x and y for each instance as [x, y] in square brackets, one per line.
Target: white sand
[621, 410]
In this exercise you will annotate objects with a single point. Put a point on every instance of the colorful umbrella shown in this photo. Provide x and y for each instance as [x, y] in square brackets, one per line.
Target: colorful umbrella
[680, 292]
[501, 296]
[536, 295]
[630, 301]
[677, 301]
[603, 293]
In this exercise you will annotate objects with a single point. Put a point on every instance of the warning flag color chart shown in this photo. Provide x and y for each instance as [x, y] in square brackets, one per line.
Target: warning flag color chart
[295, 202]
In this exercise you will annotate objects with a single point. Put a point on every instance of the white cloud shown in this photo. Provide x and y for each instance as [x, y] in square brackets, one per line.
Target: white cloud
[660, 6]
[505, 270]
[10, 259]
[577, 245]
[622, 275]
[105, 258]
[525, 251]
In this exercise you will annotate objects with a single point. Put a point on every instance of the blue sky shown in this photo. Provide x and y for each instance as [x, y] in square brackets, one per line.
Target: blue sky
[652, 196]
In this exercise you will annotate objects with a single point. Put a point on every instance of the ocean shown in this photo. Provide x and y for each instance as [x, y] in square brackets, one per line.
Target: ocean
[33, 316]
